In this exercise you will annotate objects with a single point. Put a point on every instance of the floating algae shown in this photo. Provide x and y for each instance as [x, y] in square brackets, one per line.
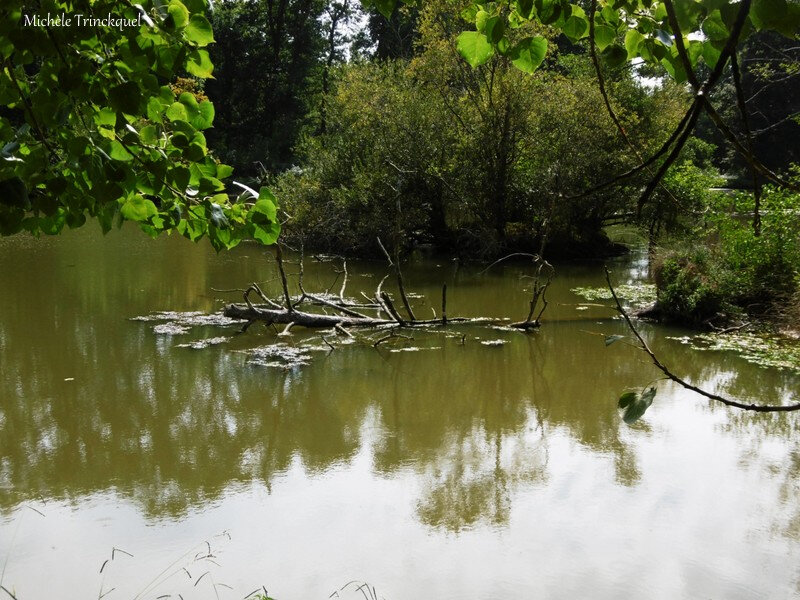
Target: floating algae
[281, 356]
[761, 349]
[178, 323]
[170, 329]
[414, 349]
[205, 343]
[635, 295]
[494, 342]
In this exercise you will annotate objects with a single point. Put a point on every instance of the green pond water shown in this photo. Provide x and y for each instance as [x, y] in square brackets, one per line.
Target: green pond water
[439, 467]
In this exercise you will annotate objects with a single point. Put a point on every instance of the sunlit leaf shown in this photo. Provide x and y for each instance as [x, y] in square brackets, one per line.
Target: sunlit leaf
[529, 53]
[474, 47]
[199, 31]
[137, 208]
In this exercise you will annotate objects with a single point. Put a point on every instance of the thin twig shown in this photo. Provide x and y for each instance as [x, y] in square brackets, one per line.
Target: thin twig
[399, 275]
[279, 260]
[444, 304]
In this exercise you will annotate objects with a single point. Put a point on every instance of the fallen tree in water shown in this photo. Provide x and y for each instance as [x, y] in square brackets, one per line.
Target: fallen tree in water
[348, 314]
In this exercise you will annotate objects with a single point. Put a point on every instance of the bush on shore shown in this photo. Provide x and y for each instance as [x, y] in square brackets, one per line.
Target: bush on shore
[728, 271]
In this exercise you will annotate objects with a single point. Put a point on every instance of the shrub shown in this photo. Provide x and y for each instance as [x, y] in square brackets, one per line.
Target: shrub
[687, 289]
[728, 269]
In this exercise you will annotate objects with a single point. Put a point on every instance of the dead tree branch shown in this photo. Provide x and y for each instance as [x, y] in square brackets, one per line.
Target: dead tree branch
[272, 313]
[399, 274]
[279, 260]
[539, 288]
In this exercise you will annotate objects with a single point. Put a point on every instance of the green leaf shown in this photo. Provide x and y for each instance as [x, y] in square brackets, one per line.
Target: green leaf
[204, 117]
[674, 67]
[548, 10]
[148, 135]
[495, 29]
[118, 152]
[575, 27]
[190, 102]
[179, 13]
[53, 224]
[210, 184]
[632, 40]
[529, 53]
[266, 234]
[264, 207]
[106, 117]
[603, 36]
[469, 13]
[714, 27]
[125, 98]
[687, 12]
[615, 55]
[199, 31]
[155, 110]
[790, 25]
[199, 64]
[137, 208]
[224, 171]
[626, 399]
[177, 112]
[525, 8]
[194, 152]
[386, 7]
[609, 15]
[710, 54]
[180, 140]
[711, 5]
[474, 47]
[13, 193]
[481, 18]
[635, 407]
[694, 50]
[768, 14]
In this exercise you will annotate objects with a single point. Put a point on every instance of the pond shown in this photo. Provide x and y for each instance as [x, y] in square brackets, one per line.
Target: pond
[133, 465]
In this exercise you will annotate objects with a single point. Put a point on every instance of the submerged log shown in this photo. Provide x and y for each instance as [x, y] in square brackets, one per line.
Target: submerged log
[304, 319]
[262, 312]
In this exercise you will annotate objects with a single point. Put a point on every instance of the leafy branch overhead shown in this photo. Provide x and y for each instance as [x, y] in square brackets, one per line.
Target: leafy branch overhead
[683, 37]
[92, 128]
[623, 29]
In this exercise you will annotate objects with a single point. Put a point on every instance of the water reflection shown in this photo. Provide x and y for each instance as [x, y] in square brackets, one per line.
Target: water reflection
[91, 401]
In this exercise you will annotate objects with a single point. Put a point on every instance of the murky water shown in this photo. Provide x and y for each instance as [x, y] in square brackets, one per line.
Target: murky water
[456, 470]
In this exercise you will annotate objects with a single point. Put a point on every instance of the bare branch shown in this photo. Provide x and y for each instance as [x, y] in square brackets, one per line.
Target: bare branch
[279, 260]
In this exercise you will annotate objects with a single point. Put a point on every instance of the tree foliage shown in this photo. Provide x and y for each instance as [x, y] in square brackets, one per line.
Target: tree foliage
[693, 40]
[267, 69]
[477, 160]
[91, 128]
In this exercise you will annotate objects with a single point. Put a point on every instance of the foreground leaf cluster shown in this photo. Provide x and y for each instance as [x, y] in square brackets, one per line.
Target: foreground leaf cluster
[91, 128]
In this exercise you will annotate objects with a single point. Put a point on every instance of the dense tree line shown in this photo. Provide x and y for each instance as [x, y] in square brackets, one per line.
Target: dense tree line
[372, 126]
